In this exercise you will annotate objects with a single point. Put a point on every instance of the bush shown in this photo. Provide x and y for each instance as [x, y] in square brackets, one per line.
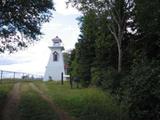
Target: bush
[108, 79]
[144, 92]
[97, 76]
[112, 81]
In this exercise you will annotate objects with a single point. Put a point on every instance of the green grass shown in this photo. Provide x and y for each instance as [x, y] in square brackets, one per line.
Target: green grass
[84, 104]
[4, 90]
[32, 107]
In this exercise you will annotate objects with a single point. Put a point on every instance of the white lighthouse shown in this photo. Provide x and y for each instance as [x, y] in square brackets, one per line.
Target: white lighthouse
[55, 66]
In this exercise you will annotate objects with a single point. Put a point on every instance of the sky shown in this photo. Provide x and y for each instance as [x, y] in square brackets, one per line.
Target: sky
[34, 59]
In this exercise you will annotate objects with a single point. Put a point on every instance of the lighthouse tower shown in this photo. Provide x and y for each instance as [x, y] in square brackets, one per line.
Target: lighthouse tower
[55, 66]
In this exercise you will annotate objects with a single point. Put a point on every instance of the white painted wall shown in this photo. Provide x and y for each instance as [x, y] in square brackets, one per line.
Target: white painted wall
[55, 68]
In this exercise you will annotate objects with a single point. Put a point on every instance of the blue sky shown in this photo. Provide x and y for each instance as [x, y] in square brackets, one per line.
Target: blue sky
[34, 58]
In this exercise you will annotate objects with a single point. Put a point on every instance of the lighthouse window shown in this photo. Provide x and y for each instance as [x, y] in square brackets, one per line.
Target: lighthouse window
[55, 56]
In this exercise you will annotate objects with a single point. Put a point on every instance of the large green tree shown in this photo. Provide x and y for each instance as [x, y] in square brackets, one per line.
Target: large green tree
[22, 19]
[148, 22]
[85, 48]
[144, 79]
[117, 15]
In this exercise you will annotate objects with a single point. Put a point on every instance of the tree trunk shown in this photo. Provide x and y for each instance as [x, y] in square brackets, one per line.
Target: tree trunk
[119, 57]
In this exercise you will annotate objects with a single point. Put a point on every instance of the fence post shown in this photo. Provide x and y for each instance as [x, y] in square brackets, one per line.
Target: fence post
[70, 79]
[1, 74]
[14, 75]
[62, 78]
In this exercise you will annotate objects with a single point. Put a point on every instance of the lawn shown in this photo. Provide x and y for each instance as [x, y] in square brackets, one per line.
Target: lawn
[84, 104]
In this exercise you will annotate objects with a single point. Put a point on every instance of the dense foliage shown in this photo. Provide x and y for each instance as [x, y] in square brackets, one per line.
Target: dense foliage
[118, 50]
[22, 19]
[144, 92]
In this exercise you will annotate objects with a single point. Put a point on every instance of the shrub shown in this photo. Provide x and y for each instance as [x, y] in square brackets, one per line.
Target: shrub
[108, 79]
[97, 76]
[112, 81]
[144, 92]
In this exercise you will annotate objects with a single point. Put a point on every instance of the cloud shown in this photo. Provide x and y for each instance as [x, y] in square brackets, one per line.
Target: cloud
[52, 25]
[61, 8]
[32, 60]
[7, 61]
[31, 68]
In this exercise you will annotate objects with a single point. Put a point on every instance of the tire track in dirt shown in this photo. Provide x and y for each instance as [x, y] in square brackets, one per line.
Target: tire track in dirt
[61, 114]
[11, 106]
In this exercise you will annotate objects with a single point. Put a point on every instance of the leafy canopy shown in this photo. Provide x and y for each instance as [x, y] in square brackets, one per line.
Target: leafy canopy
[22, 18]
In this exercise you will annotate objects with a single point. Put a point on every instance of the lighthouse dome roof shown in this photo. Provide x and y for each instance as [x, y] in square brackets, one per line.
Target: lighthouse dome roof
[56, 39]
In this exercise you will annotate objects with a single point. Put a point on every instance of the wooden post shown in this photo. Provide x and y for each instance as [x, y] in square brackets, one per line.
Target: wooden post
[23, 76]
[77, 84]
[71, 81]
[77, 81]
[62, 78]
[1, 74]
[14, 75]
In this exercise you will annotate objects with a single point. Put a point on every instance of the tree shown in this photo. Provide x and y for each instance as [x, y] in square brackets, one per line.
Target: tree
[85, 48]
[144, 81]
[148, 22]
[117, 14]
[22, 19]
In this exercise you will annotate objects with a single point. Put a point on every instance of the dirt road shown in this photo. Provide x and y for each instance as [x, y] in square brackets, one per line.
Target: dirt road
[10, 111]
[61, 114]
[11, 106]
